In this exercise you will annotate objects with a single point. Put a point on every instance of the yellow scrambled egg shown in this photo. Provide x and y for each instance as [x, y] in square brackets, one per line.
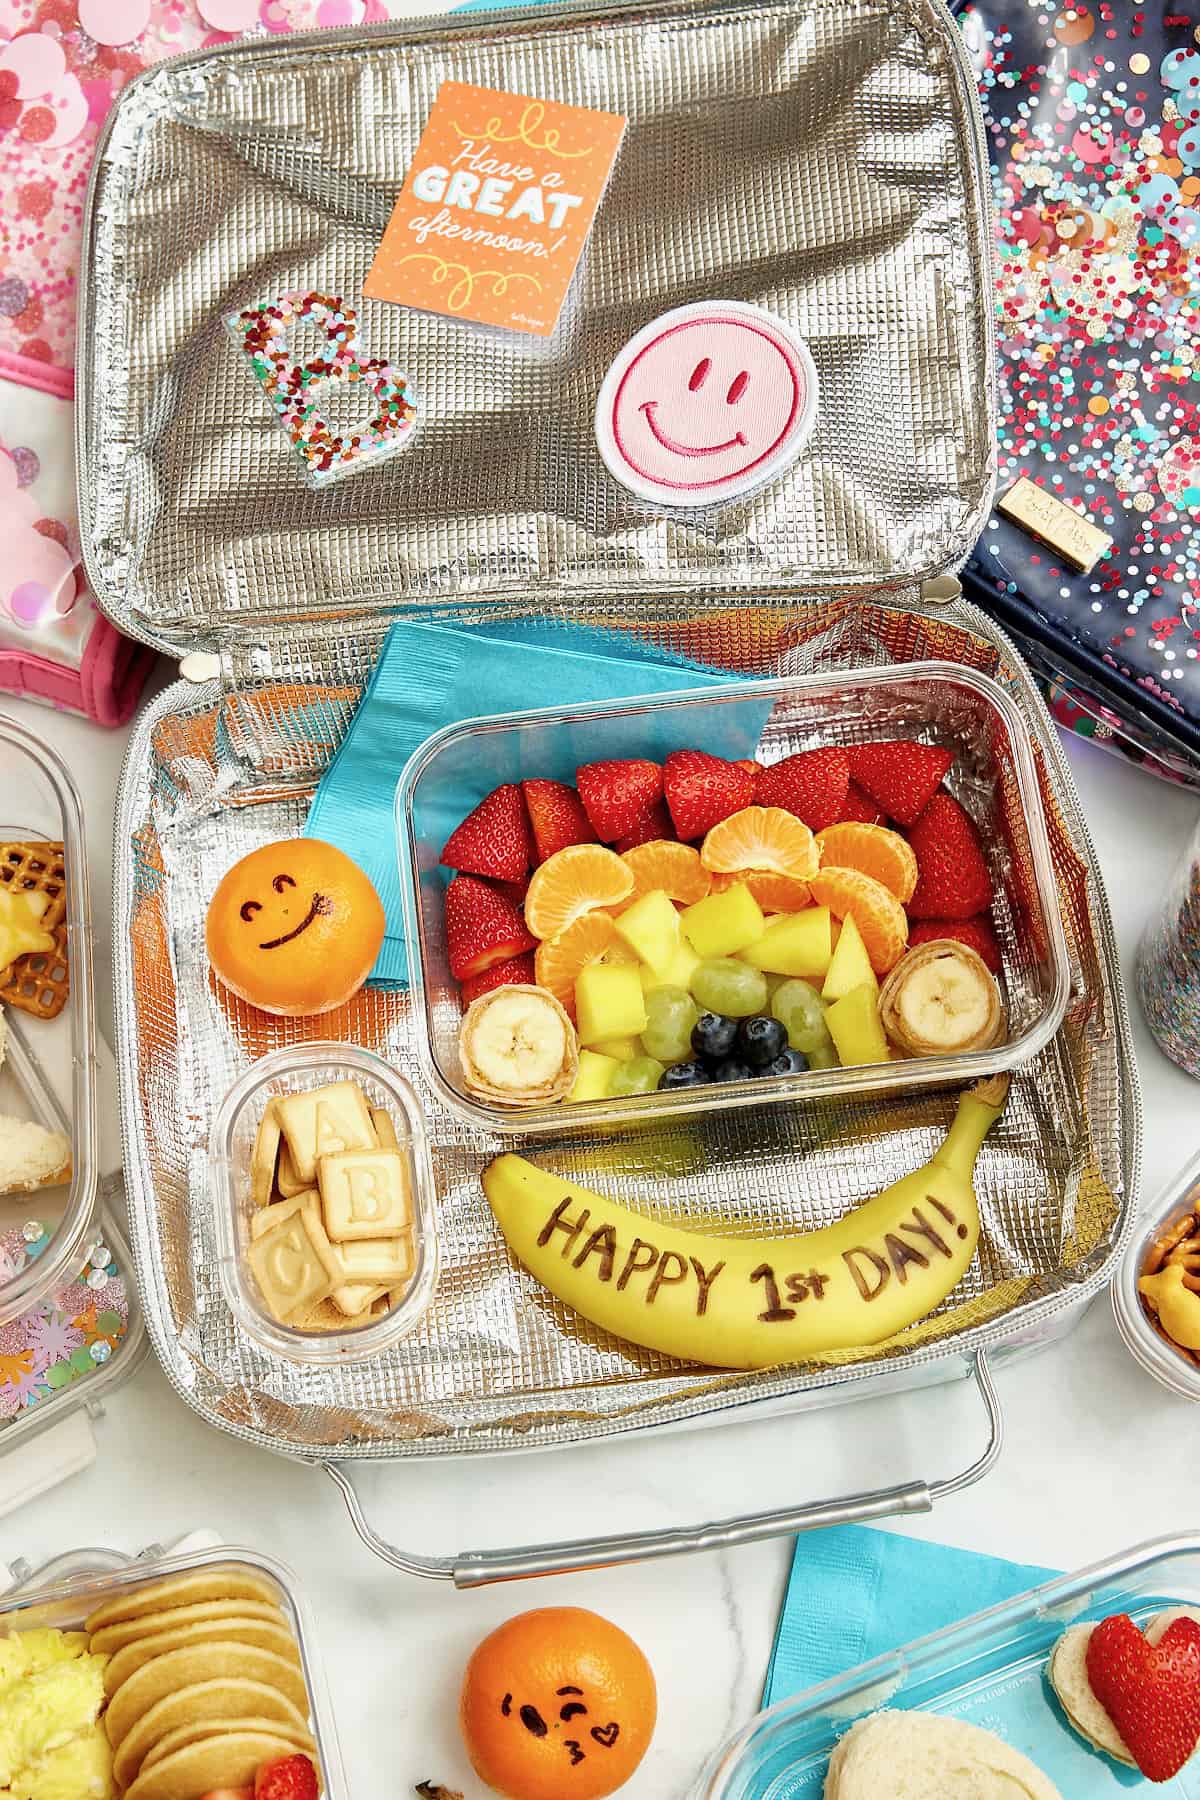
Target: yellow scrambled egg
[52, 1746]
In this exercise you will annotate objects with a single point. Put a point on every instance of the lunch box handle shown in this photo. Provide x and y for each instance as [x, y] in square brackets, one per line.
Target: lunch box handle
[480, 1568]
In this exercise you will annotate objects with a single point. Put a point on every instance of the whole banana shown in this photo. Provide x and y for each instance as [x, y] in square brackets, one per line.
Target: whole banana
[749, 1303]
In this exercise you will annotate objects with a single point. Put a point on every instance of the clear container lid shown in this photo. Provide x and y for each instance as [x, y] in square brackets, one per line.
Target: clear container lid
[39, 804]
[235, 1128]
[1168, 1365]
[74, 1585]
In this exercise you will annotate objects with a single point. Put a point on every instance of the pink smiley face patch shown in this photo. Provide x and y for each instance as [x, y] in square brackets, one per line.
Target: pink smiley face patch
[706, 403]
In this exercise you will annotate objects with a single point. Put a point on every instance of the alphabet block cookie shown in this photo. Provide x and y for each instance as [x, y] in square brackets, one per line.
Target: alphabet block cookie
[297, 390]
[324, 1122]
[364, 1194]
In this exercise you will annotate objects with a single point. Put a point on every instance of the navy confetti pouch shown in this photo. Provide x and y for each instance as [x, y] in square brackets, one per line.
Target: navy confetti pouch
[1093, 124]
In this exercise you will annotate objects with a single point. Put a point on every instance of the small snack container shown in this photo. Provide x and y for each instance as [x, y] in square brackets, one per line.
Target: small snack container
[1176, 1368]
[73, 1587]
[994, 776]
[40, 806]
[297, 1070]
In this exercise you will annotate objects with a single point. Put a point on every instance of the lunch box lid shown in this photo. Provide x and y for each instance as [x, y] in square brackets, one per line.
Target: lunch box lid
[823, 159]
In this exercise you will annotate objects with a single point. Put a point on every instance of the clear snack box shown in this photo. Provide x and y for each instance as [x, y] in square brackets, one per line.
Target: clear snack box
[290, 1071]
[988, 1670]
[67, 1591]
[39, 803]
[994, 776]
[1168, 1365]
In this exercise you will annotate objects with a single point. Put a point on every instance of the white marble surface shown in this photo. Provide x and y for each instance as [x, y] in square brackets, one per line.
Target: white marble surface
[1097, 1456]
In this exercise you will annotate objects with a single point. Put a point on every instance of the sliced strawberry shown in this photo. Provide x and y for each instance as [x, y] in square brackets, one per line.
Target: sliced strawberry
[557, 816]
[482, 928]
[616, 795]
[656, 825]
[903, 776]
[494, 839]
[514, 968]
[813, 785]
[1151, 1692]
[859, 807]
[952, 876]
[701, 790]
[291, 1778]
[977, 934]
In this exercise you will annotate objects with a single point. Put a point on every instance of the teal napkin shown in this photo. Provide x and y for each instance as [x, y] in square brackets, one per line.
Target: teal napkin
[429, 676]
[855, 1593]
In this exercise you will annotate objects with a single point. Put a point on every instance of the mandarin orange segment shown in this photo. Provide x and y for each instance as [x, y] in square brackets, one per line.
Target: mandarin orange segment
[559, 960]
[881, 920]
[765, 838]
[675, 868]
[774, 893]
[575, 881]
[872, 850]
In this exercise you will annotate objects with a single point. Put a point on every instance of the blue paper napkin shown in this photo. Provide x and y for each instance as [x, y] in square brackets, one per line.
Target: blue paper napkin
[855, 1593]
[429, 676]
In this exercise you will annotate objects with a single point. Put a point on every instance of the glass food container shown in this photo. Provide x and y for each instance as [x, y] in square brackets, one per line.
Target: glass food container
[64, 1594]
[1171, 1366]
[993, 776]
[988, 1670]
[235, 1127]
[39, 804]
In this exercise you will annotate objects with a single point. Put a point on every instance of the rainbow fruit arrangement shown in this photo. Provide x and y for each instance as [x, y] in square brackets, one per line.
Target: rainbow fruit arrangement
[712, 921]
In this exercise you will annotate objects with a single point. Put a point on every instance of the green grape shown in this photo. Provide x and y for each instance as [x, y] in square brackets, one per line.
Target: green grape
[641, 1076]
[822, 1056]
[670, 1014]
[797, 1005]
[723, 985]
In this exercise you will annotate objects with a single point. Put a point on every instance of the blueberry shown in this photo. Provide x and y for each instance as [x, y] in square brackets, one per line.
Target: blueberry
[733, 1071]
[761, 1040]
[683, 1075]
[713, 1036]
[792, 1062]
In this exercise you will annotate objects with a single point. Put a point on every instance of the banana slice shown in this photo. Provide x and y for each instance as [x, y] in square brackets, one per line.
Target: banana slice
[941, 998]
[518, 1047]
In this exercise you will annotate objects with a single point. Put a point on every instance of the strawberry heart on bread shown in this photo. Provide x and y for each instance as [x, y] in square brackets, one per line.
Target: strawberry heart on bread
[1150, 1691]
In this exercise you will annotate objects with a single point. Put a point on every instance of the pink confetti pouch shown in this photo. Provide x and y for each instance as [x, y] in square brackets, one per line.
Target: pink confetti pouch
[1092, 115]
[55, 644]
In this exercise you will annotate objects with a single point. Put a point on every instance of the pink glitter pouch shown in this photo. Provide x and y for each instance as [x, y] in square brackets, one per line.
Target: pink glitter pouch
[1092, 113]
[55, 644]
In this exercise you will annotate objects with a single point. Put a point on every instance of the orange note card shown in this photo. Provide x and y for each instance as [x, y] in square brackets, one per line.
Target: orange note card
[496, 208]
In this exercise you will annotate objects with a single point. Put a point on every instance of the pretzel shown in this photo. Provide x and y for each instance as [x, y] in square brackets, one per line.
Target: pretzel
[39, 982]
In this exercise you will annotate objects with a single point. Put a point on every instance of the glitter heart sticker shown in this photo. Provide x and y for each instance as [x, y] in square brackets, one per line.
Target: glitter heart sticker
[265, 335]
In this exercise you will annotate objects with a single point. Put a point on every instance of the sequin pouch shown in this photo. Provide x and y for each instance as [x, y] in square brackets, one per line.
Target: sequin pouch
[1092, 113]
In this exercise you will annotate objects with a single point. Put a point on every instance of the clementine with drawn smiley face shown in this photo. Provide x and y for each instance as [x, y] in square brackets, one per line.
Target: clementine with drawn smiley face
[294, 927]
[557, 1704]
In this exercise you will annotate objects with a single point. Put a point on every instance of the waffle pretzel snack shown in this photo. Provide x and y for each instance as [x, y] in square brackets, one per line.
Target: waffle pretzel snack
[38, 982]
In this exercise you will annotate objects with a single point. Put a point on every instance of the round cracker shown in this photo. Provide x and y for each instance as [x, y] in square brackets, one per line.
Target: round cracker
[198, 1662]
[229, 1761]
[183, 1735]
[258, 1632]
[111, 1638]
[223, 1697]
[231, 1582]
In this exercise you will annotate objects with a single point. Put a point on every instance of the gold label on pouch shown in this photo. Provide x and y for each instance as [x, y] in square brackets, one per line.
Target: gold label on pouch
[1044, 516]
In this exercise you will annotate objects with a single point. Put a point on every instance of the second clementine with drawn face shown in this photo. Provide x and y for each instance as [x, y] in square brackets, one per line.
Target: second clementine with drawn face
[294, 927]
[557, 1704]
